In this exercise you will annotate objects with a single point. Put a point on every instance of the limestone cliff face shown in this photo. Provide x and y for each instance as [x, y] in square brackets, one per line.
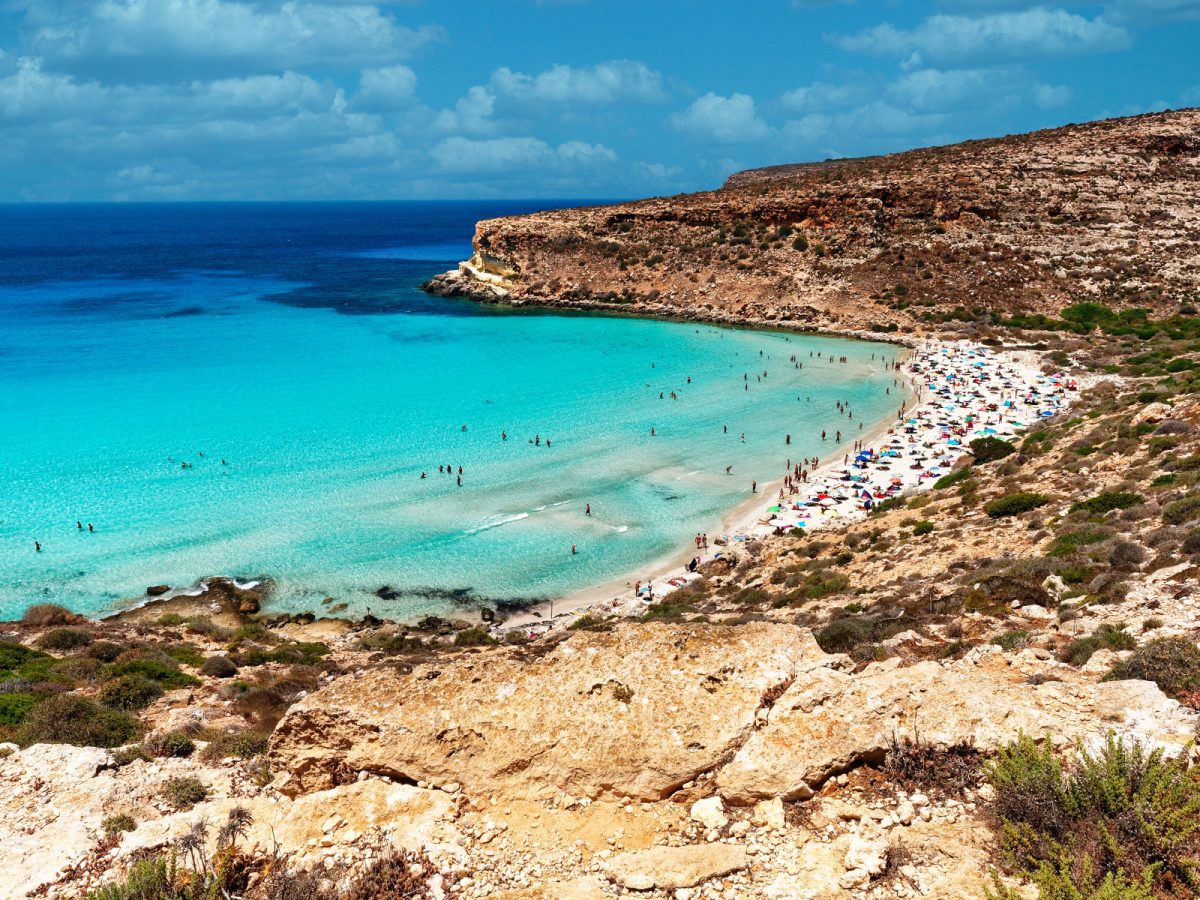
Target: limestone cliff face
[1106, 211]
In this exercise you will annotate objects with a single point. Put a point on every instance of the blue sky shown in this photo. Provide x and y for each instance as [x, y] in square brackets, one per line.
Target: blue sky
[342, 99]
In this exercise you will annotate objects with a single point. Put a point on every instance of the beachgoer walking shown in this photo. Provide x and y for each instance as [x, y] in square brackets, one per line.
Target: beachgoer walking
[572, 549]
[587, 509]
[37, 546]
[79, 525]
[90, 528]
[754, 487]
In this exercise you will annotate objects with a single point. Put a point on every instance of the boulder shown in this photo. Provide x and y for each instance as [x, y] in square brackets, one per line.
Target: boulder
[828, 721]
[667, 868]
[1151, 413]
[561, 724]
[157, 590]
[709, 812]
[769, 814]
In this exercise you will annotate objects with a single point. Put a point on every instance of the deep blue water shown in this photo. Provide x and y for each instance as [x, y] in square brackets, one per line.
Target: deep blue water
[285, 353]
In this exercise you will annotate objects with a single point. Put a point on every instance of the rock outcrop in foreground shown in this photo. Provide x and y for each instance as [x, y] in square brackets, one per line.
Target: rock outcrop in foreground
[1106, 211]
[636, 713]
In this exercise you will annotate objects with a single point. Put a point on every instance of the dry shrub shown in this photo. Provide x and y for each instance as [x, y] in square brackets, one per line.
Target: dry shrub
[45, 615]
[937, 771]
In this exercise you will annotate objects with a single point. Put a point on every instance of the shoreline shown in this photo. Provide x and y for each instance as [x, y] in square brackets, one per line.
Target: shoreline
[754, 520]
[607, 595]
[747, 514]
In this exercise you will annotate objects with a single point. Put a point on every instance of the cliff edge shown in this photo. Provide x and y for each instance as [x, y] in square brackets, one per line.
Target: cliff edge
[1026, 224]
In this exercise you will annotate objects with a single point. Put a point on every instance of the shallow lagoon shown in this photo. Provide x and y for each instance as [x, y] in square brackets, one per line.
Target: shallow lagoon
[290, 345]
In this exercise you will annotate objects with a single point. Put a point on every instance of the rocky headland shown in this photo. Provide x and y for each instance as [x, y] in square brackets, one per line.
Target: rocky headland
[987, 687]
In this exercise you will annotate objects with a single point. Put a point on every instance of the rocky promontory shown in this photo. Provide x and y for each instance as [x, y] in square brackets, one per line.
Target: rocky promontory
[1022, 225]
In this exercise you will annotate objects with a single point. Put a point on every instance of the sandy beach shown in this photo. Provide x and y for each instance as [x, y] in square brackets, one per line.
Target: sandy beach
[956, 392]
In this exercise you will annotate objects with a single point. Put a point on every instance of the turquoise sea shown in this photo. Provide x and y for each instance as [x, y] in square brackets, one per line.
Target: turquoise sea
[255, 390]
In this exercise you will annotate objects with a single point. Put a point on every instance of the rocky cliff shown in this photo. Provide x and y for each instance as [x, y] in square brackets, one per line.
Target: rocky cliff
[1105, 211]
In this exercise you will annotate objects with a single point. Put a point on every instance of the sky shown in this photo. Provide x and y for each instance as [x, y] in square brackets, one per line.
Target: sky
[350, 100]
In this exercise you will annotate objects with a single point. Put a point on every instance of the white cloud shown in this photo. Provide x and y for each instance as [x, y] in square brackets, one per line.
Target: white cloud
[388, 88]
[942, 90]
[509, 154]
[1026, 34]
[823, 95]
[459, 154]
[163, 39]
[472, 113]
[726, 120]
[1051, 96]
[588, 154]
[618, 81]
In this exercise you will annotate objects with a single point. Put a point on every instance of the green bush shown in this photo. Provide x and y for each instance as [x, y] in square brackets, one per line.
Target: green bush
[14, 656]
[588, 622]
[1182, 511]
[990, 449]
[1106, 637]
[667, 610]
[923, 527]
[105, 651]
[64, 639]
[843, 635]
[118, 823]
[130, 692]
[1172, 663]
[14, 707]
[1108, 501]
[71, 719]
[1012, 640]
[148, 879]
[1125, 823]
[185, 792]
[1015, 504]
[242, 744]
[166, 674]
[292, 652]
[474, 637]
[219, 667]
[1069, 542]
[186, 654]
[172, 744]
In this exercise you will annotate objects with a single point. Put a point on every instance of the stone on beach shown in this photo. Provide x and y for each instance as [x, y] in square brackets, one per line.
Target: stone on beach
[667, 868]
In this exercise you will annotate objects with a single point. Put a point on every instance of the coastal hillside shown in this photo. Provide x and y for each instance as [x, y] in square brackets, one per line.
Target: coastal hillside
[982, 680]
[1028, 224]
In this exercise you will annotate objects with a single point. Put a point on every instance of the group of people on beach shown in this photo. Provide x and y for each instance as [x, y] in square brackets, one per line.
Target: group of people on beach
[960, 391]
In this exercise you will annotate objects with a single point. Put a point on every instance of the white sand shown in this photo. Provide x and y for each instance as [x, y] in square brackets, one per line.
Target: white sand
[961, 391]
